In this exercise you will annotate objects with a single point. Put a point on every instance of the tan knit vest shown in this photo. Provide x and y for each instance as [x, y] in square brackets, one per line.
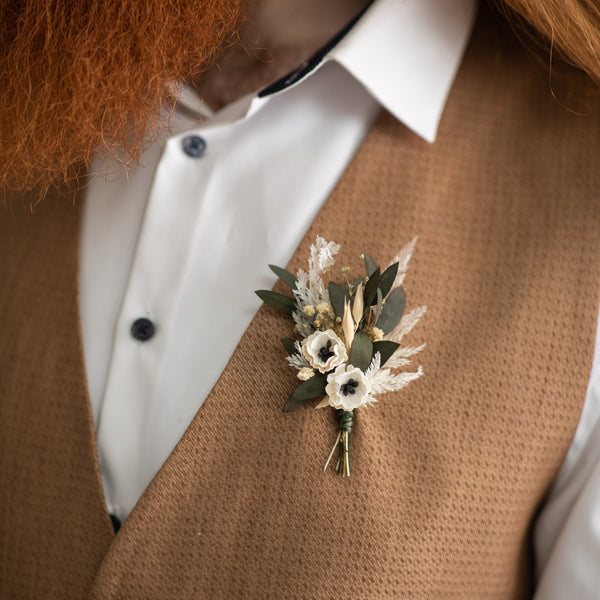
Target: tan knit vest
[446, 474]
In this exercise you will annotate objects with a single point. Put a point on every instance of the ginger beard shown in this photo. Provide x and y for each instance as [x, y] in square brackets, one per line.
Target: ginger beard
[76, 77]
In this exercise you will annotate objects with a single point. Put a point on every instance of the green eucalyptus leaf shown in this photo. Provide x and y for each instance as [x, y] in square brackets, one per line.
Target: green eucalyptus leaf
[312, 388]
[392, 311]
[279, 301]
[307, 390]
[361, 351]
[370, 265]
[337, 297]
[293, 403]
[285, 276]
[385, 349]
[379, 304]
[290, 345]
[370, 291]
[387, 279]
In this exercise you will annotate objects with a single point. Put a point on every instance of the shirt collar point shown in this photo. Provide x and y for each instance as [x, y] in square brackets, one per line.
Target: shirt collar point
[427, 133]
[425, 125]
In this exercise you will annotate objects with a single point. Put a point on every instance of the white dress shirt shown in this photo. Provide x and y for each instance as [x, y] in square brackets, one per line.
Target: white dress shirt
[184, 240]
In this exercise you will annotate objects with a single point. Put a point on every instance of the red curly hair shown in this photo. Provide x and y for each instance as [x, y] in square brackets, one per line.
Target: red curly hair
[77, 75]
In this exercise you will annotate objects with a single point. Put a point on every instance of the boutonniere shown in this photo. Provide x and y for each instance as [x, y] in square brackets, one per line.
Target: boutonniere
[349, 352]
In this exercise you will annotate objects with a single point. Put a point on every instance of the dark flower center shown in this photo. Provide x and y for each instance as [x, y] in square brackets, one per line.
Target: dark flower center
[349, 387]
[325, 353]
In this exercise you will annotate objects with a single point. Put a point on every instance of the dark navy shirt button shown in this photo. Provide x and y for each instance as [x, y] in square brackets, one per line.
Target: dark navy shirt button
[142, 329]
[194, 146]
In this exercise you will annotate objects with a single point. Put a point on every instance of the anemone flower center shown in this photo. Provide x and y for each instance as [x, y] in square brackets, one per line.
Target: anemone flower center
[325, 353]
[349, 387]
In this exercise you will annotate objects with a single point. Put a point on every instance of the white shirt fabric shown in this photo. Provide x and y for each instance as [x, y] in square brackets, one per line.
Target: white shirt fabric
[184, 241]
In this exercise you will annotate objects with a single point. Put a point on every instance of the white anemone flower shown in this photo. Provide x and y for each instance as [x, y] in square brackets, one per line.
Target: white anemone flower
[347, 388]
[324, 350]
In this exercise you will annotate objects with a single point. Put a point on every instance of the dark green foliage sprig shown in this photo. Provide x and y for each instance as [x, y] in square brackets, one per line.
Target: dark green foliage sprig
[276, 300]
[285, 276]
[307, 390]
[361, 351]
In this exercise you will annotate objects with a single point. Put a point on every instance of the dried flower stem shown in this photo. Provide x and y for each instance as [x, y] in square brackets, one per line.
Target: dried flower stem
[342, 442]
[337, 439]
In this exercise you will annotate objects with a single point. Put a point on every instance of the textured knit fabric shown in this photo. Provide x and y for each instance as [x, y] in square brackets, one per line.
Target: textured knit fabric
[446, 474]
[54, 529]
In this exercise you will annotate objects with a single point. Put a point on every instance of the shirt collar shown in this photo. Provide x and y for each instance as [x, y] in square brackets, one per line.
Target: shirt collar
[407, 53]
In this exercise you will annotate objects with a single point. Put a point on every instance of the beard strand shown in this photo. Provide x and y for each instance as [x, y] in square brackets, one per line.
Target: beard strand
[78, 77]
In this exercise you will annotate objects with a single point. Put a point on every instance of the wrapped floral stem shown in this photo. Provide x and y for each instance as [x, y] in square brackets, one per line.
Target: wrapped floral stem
[348, 332]
[345, 420]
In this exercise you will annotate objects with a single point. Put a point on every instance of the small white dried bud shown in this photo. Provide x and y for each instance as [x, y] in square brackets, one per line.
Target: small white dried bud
[376, 334]
[324, 308]
[309, 310]
[305, 374]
